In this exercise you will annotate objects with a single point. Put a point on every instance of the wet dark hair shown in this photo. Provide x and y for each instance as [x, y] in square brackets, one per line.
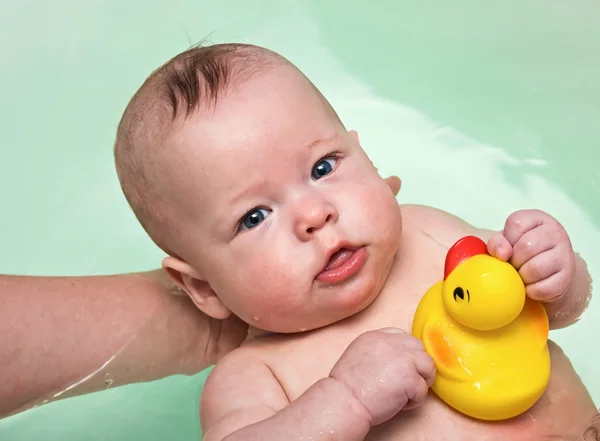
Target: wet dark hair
[203, 73]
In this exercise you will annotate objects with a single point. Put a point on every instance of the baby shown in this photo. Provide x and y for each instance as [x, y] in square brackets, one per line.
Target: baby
[269, 209]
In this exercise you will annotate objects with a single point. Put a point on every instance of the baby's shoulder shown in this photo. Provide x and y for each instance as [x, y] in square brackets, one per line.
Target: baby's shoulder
[439, 225]
[431, 216]
[240, 380]
[249, 356]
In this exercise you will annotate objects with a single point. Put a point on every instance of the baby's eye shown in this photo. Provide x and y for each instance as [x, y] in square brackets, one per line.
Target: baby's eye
[323, 167]
[254, 217]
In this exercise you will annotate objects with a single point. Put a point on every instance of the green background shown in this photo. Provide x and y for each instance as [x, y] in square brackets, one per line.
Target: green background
[481, 107]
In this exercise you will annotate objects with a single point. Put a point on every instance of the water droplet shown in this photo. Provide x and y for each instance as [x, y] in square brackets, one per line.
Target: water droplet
[302, 329]
[256, 319]
[108, 380]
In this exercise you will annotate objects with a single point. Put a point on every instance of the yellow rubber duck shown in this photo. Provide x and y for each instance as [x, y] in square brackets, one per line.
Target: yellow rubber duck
[487, 338]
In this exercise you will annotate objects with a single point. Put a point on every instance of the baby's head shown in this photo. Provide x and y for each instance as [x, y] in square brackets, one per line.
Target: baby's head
[242, 172]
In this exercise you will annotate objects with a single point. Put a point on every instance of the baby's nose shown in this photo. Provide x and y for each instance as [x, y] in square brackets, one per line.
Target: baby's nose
[313, 215]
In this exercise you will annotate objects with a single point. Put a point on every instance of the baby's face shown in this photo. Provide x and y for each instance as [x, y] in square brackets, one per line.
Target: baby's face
[285, 216]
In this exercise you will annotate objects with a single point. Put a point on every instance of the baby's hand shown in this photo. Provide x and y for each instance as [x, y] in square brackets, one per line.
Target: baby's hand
[538, 246]
[387, 371]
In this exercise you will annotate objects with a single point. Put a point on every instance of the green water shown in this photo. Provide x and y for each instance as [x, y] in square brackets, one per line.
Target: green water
[481, 107]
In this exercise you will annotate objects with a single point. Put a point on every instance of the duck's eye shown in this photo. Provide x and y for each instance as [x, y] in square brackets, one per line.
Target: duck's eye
[459, 293]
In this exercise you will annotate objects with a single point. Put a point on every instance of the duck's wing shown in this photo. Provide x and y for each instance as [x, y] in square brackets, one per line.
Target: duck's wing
[535, 316]
[445, 350]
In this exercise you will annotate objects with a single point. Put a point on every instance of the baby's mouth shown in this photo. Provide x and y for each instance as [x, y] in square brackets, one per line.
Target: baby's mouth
[342, 265]
[338, 258]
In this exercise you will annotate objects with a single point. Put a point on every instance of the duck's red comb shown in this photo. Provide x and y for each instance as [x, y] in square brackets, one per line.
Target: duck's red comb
[464, 248]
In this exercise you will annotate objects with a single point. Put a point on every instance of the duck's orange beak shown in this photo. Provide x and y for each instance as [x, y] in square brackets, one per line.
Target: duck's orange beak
[464, 248]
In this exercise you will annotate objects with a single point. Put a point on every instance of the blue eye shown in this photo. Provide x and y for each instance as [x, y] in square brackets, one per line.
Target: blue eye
[323, 167]
[254, 217]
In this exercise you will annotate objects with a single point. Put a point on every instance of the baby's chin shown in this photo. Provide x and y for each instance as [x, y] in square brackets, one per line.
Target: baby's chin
[255, 332]
[346, 303]
[256, 329]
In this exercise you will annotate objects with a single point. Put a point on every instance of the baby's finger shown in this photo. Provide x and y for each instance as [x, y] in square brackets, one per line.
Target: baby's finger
[413, 343]
[416, 395]
[499, 247]
[541, 267]
[531, 244]
[549, 289]
[519, 223]
[425, 367]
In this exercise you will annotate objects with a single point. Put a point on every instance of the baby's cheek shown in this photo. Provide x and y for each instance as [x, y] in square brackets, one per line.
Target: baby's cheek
[383, 210]
[263, 286]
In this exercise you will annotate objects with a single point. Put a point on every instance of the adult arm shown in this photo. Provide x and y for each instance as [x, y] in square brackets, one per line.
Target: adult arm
[66, 336]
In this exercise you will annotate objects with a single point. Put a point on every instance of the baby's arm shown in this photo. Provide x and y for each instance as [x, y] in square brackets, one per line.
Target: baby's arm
[244, 401]
[379, 374]
[569, 308]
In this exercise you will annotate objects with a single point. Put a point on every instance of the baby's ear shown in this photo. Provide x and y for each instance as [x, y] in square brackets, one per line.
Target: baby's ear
[354, 135]
[191, 281]
[394, 183]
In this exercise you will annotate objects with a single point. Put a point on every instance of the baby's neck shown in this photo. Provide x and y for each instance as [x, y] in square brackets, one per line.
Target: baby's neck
[257, 333]
[254, 333]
